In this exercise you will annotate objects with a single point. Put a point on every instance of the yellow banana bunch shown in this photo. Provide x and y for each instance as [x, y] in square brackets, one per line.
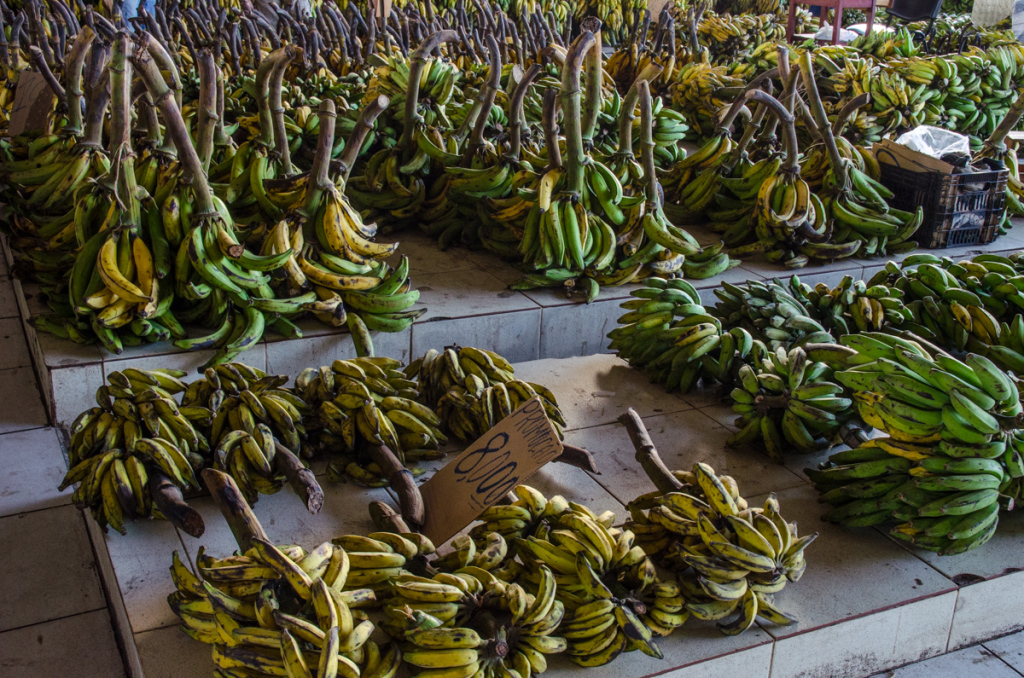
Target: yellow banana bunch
[731, 557]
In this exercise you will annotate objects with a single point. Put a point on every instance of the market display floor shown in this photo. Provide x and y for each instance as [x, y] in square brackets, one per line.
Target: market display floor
[72, 597]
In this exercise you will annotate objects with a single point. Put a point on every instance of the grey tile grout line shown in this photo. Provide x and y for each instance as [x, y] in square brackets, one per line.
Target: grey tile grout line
[996, 654]
[55, 619]
[40, 510]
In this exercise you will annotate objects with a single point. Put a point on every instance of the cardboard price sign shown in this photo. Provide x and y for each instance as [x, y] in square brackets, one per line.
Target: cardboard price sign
[33, 101]
[501, 459]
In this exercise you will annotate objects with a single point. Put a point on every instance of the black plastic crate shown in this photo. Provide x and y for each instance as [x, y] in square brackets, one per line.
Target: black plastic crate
[959, 209]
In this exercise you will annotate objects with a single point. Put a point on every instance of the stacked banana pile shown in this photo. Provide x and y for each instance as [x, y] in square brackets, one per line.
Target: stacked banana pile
[950, 458]
[668, 334]
[732, 558]
[472, 389]
[369, 401]
[272, 611]
[788, 400]
[135, 436]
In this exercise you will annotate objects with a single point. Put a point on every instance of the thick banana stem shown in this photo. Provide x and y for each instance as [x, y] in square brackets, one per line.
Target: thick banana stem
[168, 499]
[412, 95]
[647, 143]
[220, 136]
[165, 63]
[647, 454]
[1008, 122]
[302, 479]
[207, 106]
[626, 117]
[244, 524]
[387, 519]
[551, 129]
[515, 110]
[176, 130]
[39, 61]
[792, 164]
[122, 156]
[266, 119]
[476, 141]
[409, 498]
[594, 65]
[847, 111]
[358, 135]
[821, 118]
[73, 65]
[571, 116]
[96, 110]
[319, 174]
[277, 109]
[578, 457]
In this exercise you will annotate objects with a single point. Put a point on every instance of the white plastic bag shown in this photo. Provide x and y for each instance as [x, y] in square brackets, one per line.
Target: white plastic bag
[990, 12]
[825, 33]
[934, 141]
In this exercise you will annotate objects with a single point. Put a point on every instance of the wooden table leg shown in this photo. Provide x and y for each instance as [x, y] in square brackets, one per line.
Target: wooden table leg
[791, 22]
[871, 18]
[837, 23]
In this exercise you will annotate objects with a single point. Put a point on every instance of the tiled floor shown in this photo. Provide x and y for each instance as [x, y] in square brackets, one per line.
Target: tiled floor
[867, 600]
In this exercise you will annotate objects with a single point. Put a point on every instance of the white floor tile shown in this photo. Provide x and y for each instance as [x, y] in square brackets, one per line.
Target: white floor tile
[32, 467]
[970, 661]
[73, 390]
[82, 646]
[864, 645]
[1010, 649]
[850, 572]
[292, 356]
[578, 329]
[465, 293]
[597, 389]
[141, 560]
[169, 653]
[48, 568]
[1000, 556]
[514, 335]
[682, 439]
[747, 655]
[20, 400]
[12, 338]
[988, 609]
[8, 303]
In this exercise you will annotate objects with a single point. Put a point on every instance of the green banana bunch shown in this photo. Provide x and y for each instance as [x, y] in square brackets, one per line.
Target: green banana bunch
[949, 458]
[785, 396]
[667, 332]
[730, 557]
[777, 314]
[272, 610]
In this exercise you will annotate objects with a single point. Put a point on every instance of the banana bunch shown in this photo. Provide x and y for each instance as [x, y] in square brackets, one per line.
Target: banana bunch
[788, 397]
[134, 436]
[497, 629]
[853, 306]
[693, 182]
[369, 401]
[694, 92]
[733, 209]
[778, 314]
[605, 583]
[271, 610]
[525, 516]
[949, 460]
[473, 389]
[668, 333]
[376, 559]
[730, 557]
